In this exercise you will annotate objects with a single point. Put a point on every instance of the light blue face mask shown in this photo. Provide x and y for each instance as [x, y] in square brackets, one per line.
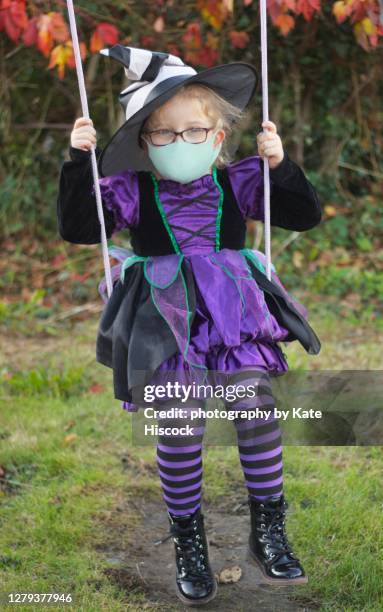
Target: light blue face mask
[183, 161]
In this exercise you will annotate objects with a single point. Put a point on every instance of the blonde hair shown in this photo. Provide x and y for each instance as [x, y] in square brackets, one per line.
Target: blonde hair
[226, 115]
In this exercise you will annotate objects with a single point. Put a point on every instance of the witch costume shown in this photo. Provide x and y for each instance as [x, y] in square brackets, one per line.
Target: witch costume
[189, 297]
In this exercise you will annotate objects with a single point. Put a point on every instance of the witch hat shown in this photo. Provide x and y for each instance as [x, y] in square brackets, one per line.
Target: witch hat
[157, 77]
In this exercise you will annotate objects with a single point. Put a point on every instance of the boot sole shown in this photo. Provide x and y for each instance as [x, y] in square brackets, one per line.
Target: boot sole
[199, 602]
[269, 580]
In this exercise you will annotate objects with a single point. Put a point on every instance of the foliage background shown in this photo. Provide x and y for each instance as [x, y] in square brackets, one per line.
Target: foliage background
[69, 478]
[325, 92]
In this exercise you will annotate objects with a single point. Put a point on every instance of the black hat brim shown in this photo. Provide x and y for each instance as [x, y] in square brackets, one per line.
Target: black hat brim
[236, 82]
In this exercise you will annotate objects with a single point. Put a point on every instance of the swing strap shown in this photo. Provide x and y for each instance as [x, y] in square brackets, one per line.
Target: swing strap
[265, 114]
[85, 113]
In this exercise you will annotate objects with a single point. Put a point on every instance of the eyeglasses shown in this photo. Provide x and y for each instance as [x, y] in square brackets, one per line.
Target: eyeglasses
[159, 138]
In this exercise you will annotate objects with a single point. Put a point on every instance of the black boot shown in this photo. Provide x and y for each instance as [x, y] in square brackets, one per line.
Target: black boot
[268, 543]
[196, 583]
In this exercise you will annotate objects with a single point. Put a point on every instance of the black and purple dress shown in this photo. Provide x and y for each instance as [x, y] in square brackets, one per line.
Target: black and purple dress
[189, 297]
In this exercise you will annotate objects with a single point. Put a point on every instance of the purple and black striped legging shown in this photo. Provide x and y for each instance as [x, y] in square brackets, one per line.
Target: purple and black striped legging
[179, 458]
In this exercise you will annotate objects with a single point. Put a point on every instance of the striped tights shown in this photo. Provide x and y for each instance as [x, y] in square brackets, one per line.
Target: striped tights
[179, 458]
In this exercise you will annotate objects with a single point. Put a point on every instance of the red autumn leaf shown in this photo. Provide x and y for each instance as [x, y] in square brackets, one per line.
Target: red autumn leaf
[281, 6]
[205, 56]
[214, 12]
[30, 33]
[96, 42]
[58, 27]
[173, 49]
[198, 53]
[109, 33]
[278, 8]
[104, 34]
[192, 38]
[18, 13]
[44, 36]
[239, 40]
[13, 18]
[51, 28]
[359, 10]
[208, 57]
[307, 8]
[148, 42]
[284, 23]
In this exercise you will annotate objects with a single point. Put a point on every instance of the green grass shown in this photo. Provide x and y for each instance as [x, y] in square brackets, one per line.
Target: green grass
[62, 458]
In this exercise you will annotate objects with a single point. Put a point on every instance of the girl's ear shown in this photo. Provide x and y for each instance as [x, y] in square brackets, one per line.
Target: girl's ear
[219, 137]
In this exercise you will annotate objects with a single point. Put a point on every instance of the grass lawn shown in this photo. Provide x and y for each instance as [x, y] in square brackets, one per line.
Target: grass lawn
[70, 480]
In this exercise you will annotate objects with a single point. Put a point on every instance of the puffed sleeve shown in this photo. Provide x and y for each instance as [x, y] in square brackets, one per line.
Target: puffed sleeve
[294, 202]
[120, 194]
[247, 183]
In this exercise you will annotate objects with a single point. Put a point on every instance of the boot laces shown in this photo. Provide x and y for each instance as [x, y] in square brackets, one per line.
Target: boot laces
[190, 545]
[275, 530]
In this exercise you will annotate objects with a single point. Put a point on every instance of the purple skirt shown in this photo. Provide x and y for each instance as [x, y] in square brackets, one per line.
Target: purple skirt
[232, 328]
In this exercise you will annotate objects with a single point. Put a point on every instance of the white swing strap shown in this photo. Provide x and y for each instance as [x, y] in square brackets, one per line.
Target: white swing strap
[85, 113]
[265, 114]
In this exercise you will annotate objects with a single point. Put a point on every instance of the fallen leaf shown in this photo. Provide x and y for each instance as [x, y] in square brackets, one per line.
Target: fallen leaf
[70, 438]
[229, 575]
[69, 425]
[96, 388]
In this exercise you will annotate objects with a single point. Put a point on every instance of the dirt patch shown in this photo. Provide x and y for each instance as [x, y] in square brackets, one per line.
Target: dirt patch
[151, 568]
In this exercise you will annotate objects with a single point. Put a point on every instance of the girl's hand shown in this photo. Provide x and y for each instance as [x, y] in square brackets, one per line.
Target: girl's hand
[270, 144]
[83, 135]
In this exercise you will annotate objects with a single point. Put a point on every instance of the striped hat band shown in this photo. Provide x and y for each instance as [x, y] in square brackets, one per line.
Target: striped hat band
[149, 70]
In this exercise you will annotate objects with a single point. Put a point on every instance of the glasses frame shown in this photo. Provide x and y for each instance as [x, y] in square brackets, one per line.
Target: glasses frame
[175, 134]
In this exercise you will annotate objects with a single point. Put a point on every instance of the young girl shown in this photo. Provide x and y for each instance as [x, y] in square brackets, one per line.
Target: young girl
[190, 297]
